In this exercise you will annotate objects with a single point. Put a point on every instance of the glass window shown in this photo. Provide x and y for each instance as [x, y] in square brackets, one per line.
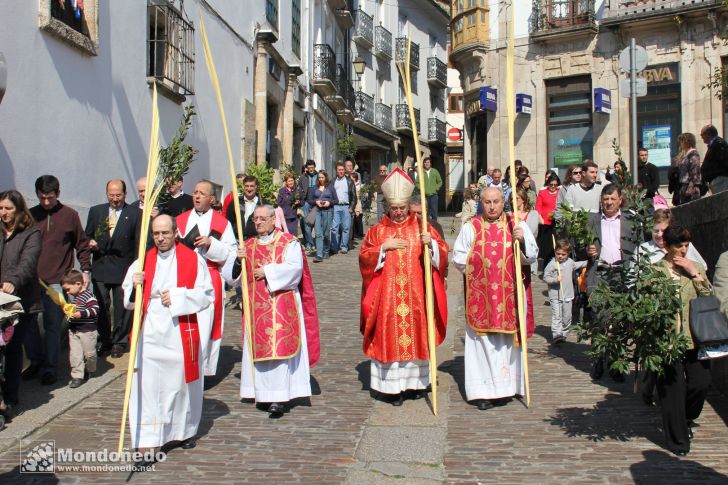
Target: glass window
[296, 27]
[570, 134]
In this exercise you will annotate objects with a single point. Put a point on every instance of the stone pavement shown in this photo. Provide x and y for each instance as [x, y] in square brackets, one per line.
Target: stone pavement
[576, 430]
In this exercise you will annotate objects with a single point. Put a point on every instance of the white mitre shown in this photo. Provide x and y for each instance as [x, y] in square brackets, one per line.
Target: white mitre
[398, 187]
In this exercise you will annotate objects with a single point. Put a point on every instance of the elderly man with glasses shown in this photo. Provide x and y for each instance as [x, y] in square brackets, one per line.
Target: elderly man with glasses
[378, 180]
[285, 332]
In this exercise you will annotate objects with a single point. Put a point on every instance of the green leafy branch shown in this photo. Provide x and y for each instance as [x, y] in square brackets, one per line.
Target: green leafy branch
[176, 158]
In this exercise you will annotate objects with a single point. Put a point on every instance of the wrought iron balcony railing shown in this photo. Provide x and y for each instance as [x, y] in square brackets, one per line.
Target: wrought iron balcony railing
[363, 29]
[364, 107]
[636, 10]
[436, 72]
[383, 117]
[402, 121]
[436, 131]
[382, 42]
[324, 68]
[549, 15]
[402, 52]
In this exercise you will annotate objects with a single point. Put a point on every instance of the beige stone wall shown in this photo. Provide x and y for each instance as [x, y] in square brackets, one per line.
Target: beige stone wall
[692, 44]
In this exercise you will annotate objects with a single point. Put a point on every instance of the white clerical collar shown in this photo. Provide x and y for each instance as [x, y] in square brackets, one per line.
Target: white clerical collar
[202, 214]
[166, 254]
[268, 238]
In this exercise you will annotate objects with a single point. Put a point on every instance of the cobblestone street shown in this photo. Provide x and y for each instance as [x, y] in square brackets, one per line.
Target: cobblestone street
[576, 430]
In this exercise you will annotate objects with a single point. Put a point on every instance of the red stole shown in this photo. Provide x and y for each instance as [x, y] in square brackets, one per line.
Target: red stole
[275, 319]
[218, 224]
[189, 330]
[490, 292]
[393, 313]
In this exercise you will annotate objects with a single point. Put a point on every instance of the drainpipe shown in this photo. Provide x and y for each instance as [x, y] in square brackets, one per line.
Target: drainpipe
[3, 76]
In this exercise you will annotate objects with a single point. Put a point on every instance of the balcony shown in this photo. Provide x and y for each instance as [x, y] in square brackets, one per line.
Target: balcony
[403, 124]
[363, 33]
[643, 10]
[436, 132]
[436, 73]
[336, 4]
[324, 70]
[383, 117]
[364, 107]
[401, 53]
[562, 18]
[341, 101]
[337, 100]
[382, 43]
[344, 14]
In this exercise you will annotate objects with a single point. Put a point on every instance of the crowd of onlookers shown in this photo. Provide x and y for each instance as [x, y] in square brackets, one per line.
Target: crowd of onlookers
[572, 272]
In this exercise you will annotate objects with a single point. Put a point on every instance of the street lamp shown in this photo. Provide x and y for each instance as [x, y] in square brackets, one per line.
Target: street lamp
[359, 66]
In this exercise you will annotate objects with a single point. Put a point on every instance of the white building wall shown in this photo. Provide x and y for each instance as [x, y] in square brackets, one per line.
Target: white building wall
[86, 119]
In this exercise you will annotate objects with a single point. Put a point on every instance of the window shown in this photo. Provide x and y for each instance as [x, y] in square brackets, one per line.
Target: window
[271, 12]
[456, 103]
[73, 21]
[570, 133]
[171, 60]
[296, 27]
[70, 13]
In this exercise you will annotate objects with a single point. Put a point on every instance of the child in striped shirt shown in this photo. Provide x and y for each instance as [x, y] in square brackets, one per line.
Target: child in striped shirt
[82, 327]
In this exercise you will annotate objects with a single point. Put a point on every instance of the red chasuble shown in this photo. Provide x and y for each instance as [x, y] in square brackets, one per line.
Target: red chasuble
[218, 224]
[393, 314]
[490, 293]
[275, 319]
[188, 328]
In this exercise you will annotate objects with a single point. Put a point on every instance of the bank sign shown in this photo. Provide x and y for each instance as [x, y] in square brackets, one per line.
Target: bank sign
[489, 99]
[602, 100]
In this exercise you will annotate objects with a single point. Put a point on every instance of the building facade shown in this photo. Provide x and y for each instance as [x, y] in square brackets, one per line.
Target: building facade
[381, 126]
[571, 91]
[79, 100]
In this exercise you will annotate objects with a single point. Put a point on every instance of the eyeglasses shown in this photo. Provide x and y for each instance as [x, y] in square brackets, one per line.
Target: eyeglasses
[576, 172]
[553, 185]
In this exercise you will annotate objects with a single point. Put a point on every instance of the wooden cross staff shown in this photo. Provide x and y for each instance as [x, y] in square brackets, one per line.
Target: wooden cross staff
[511, 105]
[236, 201]
[404, 71]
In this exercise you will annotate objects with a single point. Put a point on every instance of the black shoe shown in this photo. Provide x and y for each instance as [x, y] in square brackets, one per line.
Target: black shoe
[7, 414]
[75, 383]
[318, 259]
[647, 399]
[327, 256]
[484, 405]
[690, 433]
[48, 379]
[597, 370]
[116, 351]
[188, 444]
[275, 410]
[30, 372]
[616, 376]
[680, 452]
[86, 375]
[416, 394]
[399, 400]
[143, 465]
[103, 349]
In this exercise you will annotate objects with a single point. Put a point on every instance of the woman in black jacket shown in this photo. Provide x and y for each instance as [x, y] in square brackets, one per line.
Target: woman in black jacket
[20, 242]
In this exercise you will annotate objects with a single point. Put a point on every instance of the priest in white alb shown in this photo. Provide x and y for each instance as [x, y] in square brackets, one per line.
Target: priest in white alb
[211, 236]
[285, 333]
[165, 405]
[484, 252]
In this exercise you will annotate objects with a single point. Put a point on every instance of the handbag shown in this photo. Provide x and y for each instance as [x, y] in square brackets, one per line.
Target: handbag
[708, 325]
[311, 217]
